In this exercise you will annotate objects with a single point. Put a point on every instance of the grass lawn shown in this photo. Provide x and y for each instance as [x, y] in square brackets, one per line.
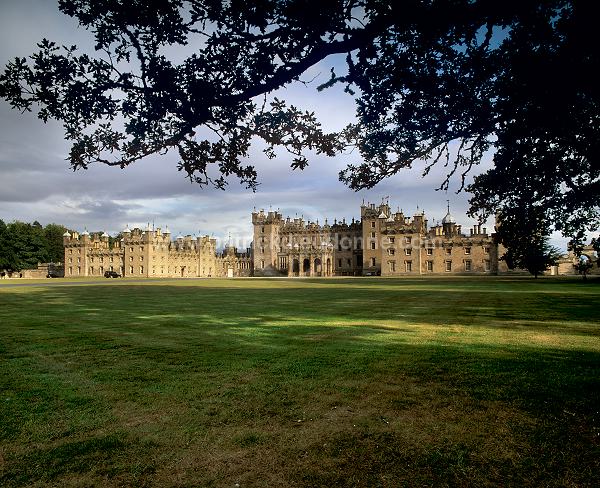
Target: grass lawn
[341, 382]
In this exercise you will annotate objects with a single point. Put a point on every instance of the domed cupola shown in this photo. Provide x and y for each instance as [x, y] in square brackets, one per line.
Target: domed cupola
[448, 219]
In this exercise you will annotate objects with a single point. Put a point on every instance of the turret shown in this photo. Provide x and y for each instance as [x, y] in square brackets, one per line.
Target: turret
[449, 224]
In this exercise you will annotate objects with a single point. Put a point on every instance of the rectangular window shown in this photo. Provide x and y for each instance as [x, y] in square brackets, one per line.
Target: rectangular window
[349, 262]
[141, 270]
[372, 225]
[392, 266]
[448, 251]
[391, 252]
[131, 269]
[141, 258]
[339, 263]
[486, 265]
[486, 250]
[408, 251]
[467, 250]
[468, 265]
[392, 240]
[373, 235]
[91, 270]
[429, 265]
[408, 266]
[429, 251]
[373, 262]
[262, 264]
[448, 266]
[372, 245]
[131, 249]
[407, 240]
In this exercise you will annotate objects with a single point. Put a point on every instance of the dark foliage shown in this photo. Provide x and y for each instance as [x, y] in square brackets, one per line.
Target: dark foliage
[443, 81]
[24, 245]
[524, 231]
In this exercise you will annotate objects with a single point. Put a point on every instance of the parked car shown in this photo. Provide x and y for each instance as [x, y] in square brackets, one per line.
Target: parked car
[111, 274]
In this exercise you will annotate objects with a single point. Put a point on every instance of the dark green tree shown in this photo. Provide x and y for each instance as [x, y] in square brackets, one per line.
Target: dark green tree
[524, 232]
[444, 81]
[583, 266]
[24, 245]
[28, 244]
[4, 259]
[53, 236]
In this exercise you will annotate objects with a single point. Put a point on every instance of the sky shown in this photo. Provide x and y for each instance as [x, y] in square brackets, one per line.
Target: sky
[36, 182]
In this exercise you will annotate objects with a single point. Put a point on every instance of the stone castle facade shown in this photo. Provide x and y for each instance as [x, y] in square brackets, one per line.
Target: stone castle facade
[382, 242]
[151, 253]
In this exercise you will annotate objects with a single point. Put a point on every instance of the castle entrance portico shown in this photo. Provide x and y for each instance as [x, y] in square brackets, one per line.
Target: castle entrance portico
[318, 267]
[306, 270]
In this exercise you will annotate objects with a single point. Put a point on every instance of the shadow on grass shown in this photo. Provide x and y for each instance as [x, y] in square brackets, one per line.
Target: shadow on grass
[104, 383]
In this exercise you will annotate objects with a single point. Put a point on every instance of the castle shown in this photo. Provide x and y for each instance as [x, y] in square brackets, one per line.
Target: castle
[151, 253]
[382, 243]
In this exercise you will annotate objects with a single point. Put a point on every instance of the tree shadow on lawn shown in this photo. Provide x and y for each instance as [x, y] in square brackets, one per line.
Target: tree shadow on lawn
[147, 384]
[372, 307]
[380, 415]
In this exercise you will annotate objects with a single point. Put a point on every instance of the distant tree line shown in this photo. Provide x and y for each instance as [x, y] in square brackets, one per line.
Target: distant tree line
[24, 245]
